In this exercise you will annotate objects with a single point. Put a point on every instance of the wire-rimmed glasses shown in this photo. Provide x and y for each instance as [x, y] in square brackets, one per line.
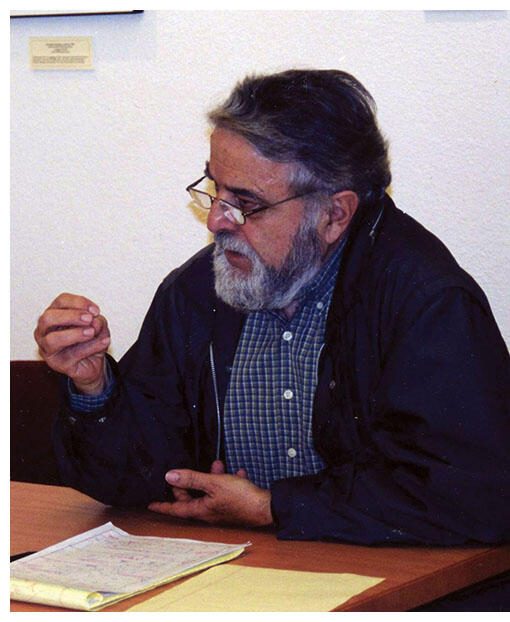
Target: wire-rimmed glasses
[235, 213]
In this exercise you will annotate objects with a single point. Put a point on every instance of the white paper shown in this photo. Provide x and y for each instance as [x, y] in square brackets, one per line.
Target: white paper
[107, 559]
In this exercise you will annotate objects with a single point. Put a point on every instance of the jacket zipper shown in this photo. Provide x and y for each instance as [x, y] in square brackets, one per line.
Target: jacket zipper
[216, 397]
[371, 235]
[317, 364]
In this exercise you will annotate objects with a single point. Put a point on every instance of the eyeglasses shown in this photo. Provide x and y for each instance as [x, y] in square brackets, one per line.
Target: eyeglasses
[235, 213]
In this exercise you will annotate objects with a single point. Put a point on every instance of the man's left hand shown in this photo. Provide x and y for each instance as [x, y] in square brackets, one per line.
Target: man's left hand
[227, 498]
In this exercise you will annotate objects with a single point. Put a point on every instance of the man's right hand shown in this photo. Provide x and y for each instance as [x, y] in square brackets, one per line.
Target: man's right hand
[73, 337]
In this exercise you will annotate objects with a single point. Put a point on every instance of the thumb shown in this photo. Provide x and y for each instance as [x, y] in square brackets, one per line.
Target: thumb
[217, 467]
[186, 478]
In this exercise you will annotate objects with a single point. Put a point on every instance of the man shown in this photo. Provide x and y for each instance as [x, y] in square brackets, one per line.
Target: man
[325, 367]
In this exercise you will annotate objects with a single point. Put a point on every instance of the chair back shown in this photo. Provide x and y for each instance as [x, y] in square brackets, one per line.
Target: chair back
[34, 403]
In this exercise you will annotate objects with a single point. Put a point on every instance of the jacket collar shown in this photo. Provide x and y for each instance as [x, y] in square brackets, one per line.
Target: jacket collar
[362, 234]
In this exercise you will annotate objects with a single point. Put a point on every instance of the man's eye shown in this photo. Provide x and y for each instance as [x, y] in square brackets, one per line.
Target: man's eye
[246, 205]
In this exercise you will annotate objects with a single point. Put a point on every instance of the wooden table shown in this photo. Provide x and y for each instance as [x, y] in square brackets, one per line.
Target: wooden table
[43, 515]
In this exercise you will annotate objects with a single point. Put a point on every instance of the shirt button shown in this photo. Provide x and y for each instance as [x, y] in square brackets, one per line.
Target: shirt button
[320, 305]
[332, 384]
[287, 394]
[72, 420]
[291, 452]
[287, 335]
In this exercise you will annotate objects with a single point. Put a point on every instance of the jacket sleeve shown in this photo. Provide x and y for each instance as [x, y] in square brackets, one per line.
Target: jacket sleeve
[436, 467]
[120, 453]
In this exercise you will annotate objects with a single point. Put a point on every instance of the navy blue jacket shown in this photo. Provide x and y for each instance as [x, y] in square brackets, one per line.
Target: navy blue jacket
[411, 412]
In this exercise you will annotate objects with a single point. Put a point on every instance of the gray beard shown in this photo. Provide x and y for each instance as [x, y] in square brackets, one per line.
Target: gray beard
[266, 287]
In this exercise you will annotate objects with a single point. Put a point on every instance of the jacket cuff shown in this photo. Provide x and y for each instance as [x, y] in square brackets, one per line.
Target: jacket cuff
[281, 504]
[295, 505]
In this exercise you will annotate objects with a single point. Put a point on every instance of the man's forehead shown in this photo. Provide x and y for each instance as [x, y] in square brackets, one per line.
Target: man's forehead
[236, 163]
[239, 190]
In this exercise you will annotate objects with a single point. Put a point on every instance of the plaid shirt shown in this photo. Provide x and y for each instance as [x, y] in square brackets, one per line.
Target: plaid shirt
[267, 418]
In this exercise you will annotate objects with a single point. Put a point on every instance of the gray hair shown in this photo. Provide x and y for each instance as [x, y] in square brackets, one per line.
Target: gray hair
[322, 121]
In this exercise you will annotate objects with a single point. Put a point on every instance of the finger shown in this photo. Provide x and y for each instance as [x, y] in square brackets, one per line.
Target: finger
[58, 319]
[180, 494]
[100, 326]
[217, 467]
[186, 478]
[242, 473]
[162, 507]
[80, 353]
[77, 361]
[58, 341]
[60, 337]
[72, 301]
[180, 509]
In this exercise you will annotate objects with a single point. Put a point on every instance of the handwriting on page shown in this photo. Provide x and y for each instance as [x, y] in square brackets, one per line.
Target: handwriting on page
[110, 560]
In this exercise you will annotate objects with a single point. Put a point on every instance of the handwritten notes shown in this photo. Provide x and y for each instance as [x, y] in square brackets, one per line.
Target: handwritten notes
[107, 564]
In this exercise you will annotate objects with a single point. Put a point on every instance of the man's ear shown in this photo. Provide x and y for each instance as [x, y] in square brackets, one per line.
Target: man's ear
[343, 206]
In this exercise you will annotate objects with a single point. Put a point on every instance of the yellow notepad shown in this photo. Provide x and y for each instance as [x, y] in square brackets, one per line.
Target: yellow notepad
[106, 564]
[242, 588]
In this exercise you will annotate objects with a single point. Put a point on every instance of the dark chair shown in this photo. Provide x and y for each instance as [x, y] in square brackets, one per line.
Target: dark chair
[34, 402]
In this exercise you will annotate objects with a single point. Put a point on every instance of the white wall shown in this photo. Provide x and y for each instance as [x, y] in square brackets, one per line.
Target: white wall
[100, 159]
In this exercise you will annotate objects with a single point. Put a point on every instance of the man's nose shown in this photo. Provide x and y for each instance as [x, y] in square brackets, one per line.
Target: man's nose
[217, 219]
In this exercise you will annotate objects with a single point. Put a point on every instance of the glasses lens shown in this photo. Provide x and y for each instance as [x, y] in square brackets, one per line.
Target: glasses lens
[201, 199]
[235, 213]
[205, 198]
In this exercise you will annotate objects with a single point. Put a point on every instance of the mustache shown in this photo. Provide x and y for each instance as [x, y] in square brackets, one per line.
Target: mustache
[226, 241]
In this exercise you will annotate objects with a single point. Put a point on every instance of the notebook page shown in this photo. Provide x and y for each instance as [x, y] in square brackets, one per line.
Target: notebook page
[107, 559]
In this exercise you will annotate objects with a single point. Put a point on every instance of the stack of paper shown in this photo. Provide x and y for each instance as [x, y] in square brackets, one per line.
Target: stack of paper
[106, 564]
